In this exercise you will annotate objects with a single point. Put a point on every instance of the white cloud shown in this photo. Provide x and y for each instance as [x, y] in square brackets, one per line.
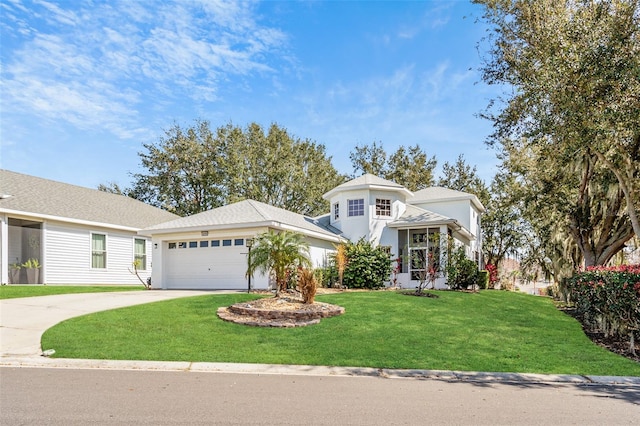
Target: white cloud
[58, 14]
[94, 64]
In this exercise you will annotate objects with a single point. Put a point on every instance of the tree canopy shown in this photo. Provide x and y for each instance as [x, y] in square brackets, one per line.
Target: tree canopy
[195, 169]
[575, 69]
[463, 177]
[568, 125]
[407, 166]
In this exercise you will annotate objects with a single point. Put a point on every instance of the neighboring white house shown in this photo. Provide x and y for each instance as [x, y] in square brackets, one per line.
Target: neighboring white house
[78, 235]
[209, 250]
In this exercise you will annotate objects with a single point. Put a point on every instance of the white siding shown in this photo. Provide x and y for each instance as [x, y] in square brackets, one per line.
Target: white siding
[68, 256]
[319, 252]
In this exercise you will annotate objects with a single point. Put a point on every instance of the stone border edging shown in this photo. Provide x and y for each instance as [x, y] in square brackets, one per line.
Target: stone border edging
[244, 313]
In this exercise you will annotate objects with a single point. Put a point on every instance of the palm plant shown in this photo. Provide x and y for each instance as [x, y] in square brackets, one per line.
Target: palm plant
[279, 253]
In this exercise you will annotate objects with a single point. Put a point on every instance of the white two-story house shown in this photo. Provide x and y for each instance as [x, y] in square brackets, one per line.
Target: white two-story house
[209, 250]
[411, 225]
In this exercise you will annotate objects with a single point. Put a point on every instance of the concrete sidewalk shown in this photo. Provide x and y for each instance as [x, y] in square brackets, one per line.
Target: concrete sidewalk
[23, 321]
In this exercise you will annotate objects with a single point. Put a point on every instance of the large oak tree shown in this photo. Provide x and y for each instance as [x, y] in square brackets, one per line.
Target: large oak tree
[572, 72]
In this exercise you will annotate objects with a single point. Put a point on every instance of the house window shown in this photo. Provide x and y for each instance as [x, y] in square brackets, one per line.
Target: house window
[238, 242]
[204, 243]
[140, 254]
[336, 211]
[172, 246]
[193, 244]
[356, 207]
[98, 251]
[383, 207]
[182, 245]
[226, 243]
[418, 238]
[215, 243]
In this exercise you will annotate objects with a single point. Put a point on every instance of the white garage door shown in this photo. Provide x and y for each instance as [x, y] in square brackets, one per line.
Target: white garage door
[206, 264]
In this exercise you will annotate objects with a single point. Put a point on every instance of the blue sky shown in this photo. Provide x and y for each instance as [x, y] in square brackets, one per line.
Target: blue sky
[85, 83]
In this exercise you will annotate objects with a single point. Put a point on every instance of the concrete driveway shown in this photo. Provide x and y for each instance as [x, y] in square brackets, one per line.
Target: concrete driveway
[24, 320]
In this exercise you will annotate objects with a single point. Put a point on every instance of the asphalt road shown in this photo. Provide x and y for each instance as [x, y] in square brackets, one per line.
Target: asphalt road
[43, 396]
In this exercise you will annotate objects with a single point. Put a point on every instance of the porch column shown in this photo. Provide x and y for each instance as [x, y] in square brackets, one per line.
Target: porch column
[43, 253]
[4, 250]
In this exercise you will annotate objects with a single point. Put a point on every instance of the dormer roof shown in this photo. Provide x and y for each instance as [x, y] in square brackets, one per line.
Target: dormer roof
[368, 182]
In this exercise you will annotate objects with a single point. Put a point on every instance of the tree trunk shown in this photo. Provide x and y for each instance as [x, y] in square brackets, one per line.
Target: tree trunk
[631, 210]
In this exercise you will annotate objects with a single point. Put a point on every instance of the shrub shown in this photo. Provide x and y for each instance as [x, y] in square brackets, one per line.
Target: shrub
[461, 272]
[367, 266]
[608, 299]
[483, 279]
[493, 275]
[327, 276]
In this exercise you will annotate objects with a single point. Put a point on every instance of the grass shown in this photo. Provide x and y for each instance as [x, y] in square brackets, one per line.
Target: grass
[33, 290]
[487, 331]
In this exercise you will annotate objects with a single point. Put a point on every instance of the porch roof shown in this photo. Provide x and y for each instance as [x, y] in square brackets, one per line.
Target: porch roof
[416, 217]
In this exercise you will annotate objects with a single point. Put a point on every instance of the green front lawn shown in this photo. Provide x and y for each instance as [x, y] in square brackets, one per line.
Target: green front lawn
[487, 331]
[32, 290]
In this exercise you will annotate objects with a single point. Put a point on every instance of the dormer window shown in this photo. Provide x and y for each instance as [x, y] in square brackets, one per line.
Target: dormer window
[383, 207]
[356, 207]
[336, 211]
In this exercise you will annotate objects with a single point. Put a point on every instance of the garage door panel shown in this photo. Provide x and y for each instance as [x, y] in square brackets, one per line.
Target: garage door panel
[206, 268]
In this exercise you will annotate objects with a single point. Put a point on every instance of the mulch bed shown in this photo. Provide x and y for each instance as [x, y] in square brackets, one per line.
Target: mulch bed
[613, 344]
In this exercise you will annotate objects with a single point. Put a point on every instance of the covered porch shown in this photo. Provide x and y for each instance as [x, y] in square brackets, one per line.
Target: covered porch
[424, 242]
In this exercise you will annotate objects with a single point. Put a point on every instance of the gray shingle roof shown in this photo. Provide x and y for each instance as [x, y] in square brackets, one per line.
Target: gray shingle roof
[246, 213]
[367, 181]
[43, 197]
[415, 216]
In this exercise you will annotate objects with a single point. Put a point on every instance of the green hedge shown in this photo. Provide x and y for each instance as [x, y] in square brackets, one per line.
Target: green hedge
[607, 299]
[483, 279]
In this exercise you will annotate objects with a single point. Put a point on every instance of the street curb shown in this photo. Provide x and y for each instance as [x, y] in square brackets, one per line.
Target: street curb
[311, 370]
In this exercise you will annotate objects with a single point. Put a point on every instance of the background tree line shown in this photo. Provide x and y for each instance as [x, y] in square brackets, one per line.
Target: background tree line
[194, 169]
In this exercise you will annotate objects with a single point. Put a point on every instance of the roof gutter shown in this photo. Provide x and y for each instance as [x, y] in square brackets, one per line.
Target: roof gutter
[263, 224]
